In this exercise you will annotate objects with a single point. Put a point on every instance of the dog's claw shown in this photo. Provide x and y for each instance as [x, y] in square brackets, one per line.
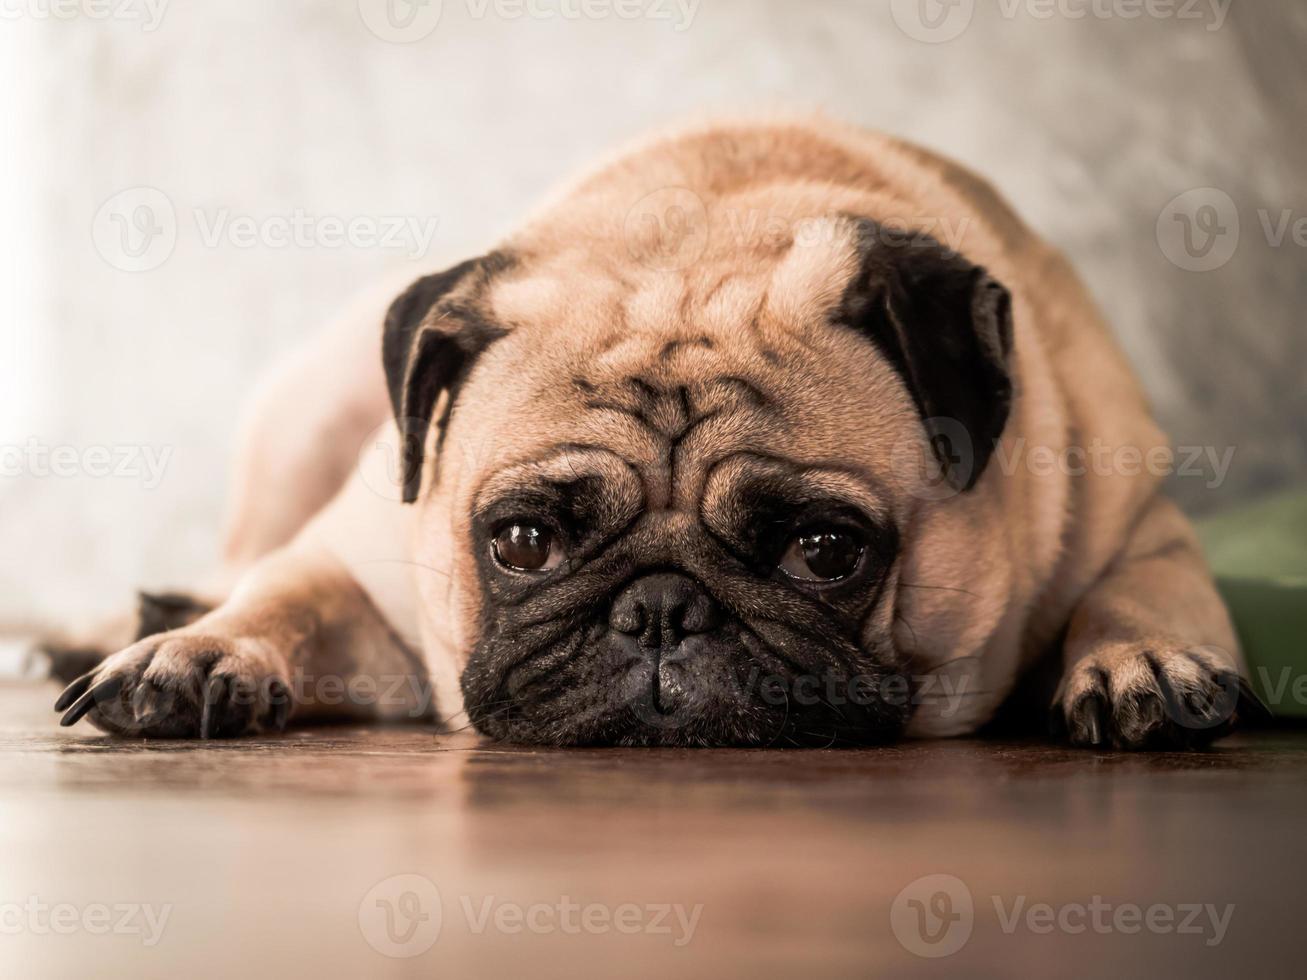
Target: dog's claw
[279, 695]
[1085, 725]
[74, 691]
[214, 690]
[100, 692]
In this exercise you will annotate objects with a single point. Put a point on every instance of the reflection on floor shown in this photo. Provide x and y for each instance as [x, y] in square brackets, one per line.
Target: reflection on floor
[355, 852]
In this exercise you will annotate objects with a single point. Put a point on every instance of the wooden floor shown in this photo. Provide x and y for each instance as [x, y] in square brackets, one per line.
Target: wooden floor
[280, 856]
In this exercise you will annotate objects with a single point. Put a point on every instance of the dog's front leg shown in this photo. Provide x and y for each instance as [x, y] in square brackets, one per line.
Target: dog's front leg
[297, 638]
[1151, 657]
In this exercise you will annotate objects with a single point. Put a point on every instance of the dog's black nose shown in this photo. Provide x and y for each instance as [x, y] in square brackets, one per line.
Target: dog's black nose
[663, 609]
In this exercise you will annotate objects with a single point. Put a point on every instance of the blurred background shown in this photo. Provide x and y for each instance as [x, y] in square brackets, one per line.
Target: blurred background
[188, 190]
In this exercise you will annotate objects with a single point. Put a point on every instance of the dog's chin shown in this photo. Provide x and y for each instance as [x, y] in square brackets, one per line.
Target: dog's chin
[711, 692]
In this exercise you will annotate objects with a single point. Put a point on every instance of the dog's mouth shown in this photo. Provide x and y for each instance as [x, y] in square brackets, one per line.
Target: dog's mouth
[726, 687]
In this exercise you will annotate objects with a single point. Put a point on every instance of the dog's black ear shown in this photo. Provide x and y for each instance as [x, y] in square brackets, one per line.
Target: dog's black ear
[946, 327]
[433, 334]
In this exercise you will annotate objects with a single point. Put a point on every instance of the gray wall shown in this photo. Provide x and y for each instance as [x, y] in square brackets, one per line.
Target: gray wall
[1091, 125]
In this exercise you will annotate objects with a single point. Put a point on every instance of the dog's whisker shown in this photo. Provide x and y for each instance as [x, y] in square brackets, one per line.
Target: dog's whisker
[939, 588]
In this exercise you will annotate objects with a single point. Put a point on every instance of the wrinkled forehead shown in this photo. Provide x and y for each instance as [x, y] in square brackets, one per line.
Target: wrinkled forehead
[677, 373]
[605, 289]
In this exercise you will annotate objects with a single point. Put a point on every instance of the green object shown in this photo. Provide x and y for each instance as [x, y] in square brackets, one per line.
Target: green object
[1259, 555]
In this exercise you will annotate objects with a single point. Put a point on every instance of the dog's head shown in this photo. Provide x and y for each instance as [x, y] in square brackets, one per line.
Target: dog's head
[665, 505]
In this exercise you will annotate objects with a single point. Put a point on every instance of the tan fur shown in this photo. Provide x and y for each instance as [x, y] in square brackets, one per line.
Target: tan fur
[708, 260]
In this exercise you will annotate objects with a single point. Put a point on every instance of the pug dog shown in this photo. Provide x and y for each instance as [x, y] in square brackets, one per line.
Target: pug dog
[761, 433]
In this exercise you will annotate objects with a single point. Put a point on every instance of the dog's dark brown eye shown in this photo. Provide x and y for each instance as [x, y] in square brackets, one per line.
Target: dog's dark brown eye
[822, 555]
[527, 548]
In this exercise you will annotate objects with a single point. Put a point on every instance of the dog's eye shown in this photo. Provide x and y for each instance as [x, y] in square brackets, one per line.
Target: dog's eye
[822, 555]
[527, 548]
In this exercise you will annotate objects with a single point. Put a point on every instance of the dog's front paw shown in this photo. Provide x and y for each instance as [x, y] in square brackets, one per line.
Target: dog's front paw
[183, 684]
[1152, 697]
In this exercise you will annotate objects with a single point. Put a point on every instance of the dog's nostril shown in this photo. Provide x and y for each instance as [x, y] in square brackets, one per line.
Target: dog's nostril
[663, 609]
[700, 615]
[627, 618]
